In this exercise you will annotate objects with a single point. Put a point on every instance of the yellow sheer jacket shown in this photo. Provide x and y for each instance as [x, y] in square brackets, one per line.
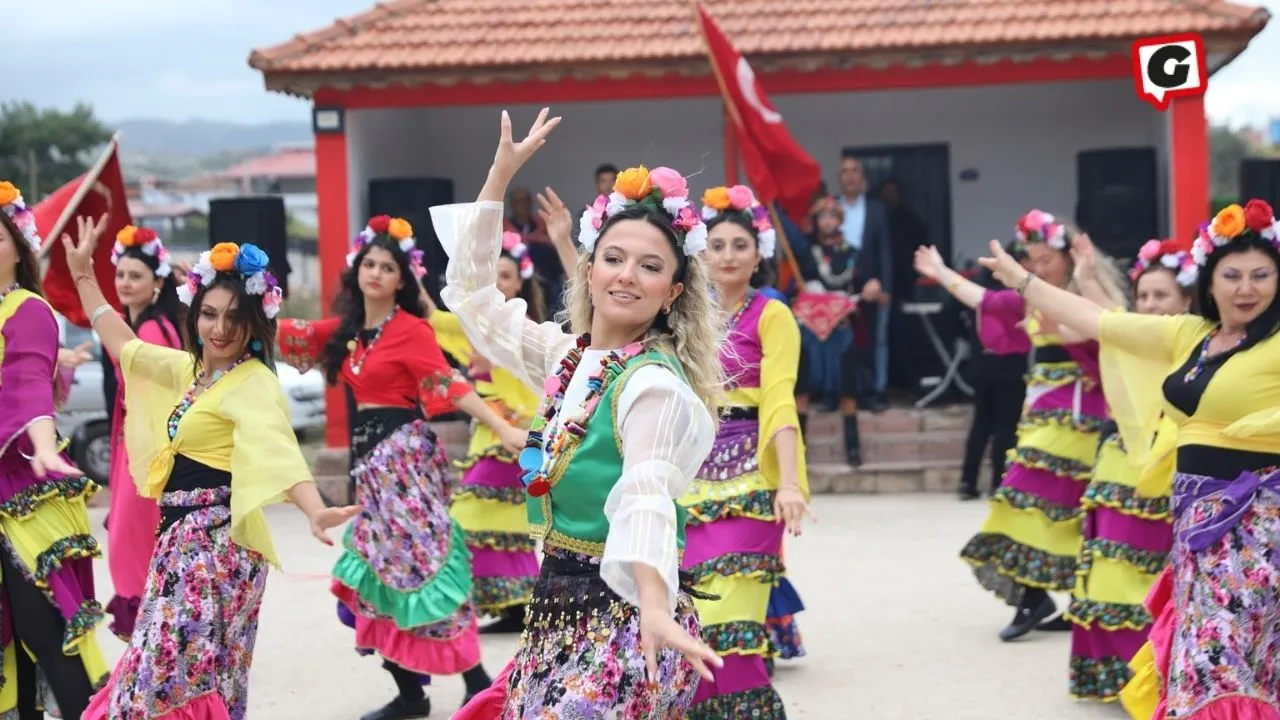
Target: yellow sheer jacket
[239, 425]
[1240, 409]
[450, 336]
[776, 396]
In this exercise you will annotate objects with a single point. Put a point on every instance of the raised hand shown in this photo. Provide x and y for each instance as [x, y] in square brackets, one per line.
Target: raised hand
[928, 262]
[1084, 258]
[1008, 271]
[80, 252]
[557, 218]
[512, 155]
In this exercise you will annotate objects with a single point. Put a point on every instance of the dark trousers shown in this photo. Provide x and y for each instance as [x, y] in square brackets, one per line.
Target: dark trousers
[39, 625]
[997, 407]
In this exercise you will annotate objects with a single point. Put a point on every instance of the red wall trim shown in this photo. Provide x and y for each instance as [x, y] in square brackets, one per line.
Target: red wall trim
[1189, 162]
[332, 215]
[780, 83]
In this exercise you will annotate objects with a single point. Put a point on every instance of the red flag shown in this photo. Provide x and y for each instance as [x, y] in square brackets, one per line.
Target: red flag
[100, 190]
[777, 166]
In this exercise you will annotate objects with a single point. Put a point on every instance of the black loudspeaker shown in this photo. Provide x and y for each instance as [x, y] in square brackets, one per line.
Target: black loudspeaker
[1116, 192]
[1260, 178]
[257, 220]
[412, 199]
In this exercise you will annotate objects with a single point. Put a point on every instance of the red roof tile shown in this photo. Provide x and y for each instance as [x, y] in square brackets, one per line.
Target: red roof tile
[449, 40]
[291, 163]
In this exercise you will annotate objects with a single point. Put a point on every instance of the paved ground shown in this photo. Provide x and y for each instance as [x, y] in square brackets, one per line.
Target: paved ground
[896, 628]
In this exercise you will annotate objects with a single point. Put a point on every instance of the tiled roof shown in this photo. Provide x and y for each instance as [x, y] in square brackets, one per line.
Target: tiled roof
[292, 163]
[450, 40]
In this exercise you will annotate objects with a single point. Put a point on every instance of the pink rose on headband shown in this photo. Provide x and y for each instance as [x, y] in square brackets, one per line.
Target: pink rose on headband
[1150, 250]
[741, 197]
[670, 182]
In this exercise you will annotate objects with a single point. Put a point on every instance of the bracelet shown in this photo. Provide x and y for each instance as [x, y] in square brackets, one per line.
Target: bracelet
[103, 309]
[1026, 280]
[951, 286]
[82, 278]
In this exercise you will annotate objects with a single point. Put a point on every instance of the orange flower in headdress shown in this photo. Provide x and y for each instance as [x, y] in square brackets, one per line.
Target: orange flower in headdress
[633, 183]
[8, 192]
[1229, 222]
[716, 198]
[399, 229]
[223, 256]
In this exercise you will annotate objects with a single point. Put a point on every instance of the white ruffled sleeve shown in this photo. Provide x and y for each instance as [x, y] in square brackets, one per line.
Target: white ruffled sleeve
[666, 434]
[499, 329]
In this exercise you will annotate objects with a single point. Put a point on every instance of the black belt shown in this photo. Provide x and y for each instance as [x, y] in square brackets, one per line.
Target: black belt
[739, 412]
[170, 515]
[1051, 354]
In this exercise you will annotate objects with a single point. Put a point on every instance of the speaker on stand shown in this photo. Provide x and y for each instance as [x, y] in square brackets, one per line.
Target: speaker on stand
[1260, 178]
[1116, 192]
[412, 199]
[258, 220]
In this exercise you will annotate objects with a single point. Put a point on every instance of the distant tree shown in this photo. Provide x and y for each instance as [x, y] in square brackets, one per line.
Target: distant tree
[1226, 150]
[41, 149]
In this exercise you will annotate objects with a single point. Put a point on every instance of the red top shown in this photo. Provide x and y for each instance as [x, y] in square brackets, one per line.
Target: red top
[405, 366]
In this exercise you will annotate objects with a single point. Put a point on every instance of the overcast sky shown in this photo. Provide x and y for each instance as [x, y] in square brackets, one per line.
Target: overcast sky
[179, 59]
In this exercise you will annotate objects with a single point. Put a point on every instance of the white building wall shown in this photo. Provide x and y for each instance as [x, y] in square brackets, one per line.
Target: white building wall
[1021, 139]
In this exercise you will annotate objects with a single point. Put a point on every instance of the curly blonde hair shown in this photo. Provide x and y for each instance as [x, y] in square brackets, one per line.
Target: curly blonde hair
[693, 331]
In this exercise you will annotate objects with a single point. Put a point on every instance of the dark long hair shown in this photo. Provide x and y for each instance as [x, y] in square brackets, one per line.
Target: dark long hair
[27, 272]
[167, 304]
[1261, 327]
[248, 316]
[349, 304]
[530, 291]
[763, 275]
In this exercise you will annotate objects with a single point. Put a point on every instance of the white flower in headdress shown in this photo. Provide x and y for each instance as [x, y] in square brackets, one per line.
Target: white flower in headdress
[768, 242]
[204, 269]
[255, 284]
[587, 232]
[673, 205]
[185, 295]
[617, 203]
[709, 213]
[1170, 261]
[695, 241]
[1188, 275]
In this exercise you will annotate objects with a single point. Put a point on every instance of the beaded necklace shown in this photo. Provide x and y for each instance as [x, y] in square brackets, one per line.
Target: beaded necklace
[535, 463]
[1198, 368]
[737, 315]
[358, 362]
[189, 398]
[13, 287]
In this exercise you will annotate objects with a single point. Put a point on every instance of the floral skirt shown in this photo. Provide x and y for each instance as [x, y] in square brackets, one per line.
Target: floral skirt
[1215, 643]
[405, 573]
[733, 556]
[1032, 536]
[579, 657]
[784, 632]
[190, 653]
[490, 507]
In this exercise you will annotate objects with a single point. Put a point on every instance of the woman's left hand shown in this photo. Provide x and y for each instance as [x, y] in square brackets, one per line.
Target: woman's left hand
[331, 517]
[80, 252]
[72, 358]
[659, 631]
[1083, 258]
[789, 507]
[1008, 271]
[44, 462]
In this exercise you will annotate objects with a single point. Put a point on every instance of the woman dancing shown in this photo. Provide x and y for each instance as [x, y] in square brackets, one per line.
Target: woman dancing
[146, 287]
[754, 481]
[404, 578]
[208, 434]
[490, 504]
[1216, 635]
[1126, 523]
[1029, 544]
[627, 419]
[48, 613]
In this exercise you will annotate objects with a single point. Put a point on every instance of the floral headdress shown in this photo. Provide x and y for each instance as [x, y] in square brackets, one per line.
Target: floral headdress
[1171, 254]
[147, 242]
[661, 189]
[399, 230]
[1039, 226]
[741, 200]
[514, 245]
[1255, 219]
[247, 261]
[12, 204]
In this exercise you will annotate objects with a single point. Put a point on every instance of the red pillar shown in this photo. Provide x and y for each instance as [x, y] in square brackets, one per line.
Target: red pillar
[335, 227]
[1189, 166]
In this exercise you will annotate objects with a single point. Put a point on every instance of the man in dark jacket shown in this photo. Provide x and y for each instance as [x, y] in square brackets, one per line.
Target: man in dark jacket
[866, 230]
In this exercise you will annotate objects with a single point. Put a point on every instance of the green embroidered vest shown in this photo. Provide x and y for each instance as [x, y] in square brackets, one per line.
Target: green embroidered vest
[571, 516]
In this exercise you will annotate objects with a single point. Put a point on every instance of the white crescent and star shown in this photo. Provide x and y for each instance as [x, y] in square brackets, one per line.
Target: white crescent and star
[747, 84]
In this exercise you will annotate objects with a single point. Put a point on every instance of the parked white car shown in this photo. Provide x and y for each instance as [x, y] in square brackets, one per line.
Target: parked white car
[85, 416]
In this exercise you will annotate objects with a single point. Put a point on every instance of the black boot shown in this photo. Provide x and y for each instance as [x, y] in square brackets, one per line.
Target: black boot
[477, 681]
[511, 621]
[852, 442]
[1036, 606]
[412, 702]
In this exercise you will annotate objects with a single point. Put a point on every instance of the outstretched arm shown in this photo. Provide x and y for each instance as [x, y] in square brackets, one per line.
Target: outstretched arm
[112, 329]
[1063, 307]
[928, 262]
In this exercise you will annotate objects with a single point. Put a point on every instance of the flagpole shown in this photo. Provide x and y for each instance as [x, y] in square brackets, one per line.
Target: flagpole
[732, 109]
[90, 177]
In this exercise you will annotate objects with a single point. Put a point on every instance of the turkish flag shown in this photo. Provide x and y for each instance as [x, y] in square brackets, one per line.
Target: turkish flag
[100, 190]
[777, 166]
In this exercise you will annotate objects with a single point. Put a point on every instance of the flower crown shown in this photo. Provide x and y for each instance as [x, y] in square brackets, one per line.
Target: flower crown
[397, 229]
[1170, 254]
[1039, 226]
[741, 200]
[514, 246]
[12, 204]
[661, 189]
[248, 261]
[147, 242]
[1255, 219]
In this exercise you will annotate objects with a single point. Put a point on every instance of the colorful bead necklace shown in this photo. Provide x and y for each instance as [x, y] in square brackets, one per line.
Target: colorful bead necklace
[1198, 368]
[535, 463]
[358, 362]
[13, 287]
[737, 315]
[189, 398]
